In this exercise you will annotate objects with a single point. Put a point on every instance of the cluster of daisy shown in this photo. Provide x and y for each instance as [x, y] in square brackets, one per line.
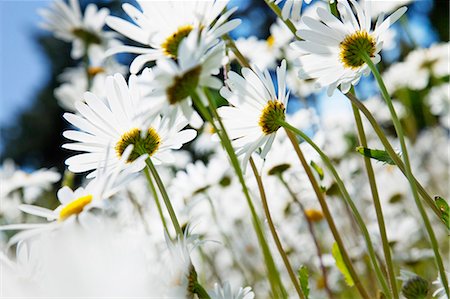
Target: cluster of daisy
[171, 146]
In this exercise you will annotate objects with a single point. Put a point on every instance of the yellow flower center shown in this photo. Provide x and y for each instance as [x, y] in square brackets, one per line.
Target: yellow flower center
[183, 85]
[95, 70]
[87, 36]
[271, 114]
[148, 144]
[353, 46]
[170, 45]
[270, 41]
[75, 207]
[314, 215]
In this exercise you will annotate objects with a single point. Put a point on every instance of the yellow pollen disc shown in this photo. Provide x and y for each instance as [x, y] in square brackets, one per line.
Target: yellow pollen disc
[147, 144]
[183, 85]
[75, 207]
[87, 36]
[95, 70]
[170, 45]
[314, 215]
[209, 128]
[352, 47]
[271, 114]
[270, 41]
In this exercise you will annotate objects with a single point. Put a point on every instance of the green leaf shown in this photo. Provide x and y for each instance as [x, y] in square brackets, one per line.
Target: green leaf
[378, 155]
[318, 169]
[341, 264]
[303, 276]
[442, 205]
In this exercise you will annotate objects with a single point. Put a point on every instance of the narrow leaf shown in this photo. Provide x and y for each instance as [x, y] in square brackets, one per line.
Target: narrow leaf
[303, 276]
[378, 155]
[442, 205]
[318, 169]
[341, 264]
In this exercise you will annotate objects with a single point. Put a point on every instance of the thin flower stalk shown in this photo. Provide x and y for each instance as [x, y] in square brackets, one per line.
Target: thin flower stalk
[273, 274]
[165, 197]
[328, 216]
[350, 203]
[277, 11]
[273, 230]
[377, 204]
[312, 232]
[156, 197]
[400, 133]
[390, 150]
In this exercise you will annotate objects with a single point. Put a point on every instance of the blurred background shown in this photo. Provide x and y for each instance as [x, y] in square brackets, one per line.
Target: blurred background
[31, 59]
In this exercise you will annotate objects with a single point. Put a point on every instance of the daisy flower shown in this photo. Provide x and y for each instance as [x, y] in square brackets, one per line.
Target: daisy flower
[174, 82]
[107, 129]
[256, 107]
[74, 204]
[225, 292]
[331, 50]
[291, 8]
[162, 25]
[440, 291]
[68, 24]
[76, 81]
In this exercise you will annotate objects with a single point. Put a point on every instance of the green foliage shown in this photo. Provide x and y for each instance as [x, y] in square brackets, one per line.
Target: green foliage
[318, 169]
[375, 154]
[340, 264]
[443, 207]
[303, 275]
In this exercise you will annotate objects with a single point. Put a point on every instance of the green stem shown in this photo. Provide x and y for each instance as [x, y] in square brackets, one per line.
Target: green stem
[328, 216]
[349, 201]
[377, 204]
[390, 150]
[200, 291]
[165, 197]
[277, 11]
[311, 231]
[277, 287]
[409, 175]
[240, 57]
[275, 236]
[158, 203]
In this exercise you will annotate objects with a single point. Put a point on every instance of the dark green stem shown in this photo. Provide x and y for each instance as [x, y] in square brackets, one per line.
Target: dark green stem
[377, 204]
[311, 231]
[328, 216]
[390, 150]
[165, 197]
[275, 236]
[277, 287]
[348, 200]
[287, 22]
[409, 175]
[155, 196]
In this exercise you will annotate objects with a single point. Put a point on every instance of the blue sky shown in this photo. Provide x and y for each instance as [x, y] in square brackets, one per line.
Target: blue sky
[22, 66]
[23, 69]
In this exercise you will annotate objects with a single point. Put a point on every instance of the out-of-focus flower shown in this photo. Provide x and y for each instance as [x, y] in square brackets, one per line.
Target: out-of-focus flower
[440, 291]
[107, 130]
[163, 25]
[174, 82]
[85, 32]
[225, 292]
[291, 8]
[418, 68]
[32, 184]
[76, 81]
[252, 121]
[332, 49]
[74, 203]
